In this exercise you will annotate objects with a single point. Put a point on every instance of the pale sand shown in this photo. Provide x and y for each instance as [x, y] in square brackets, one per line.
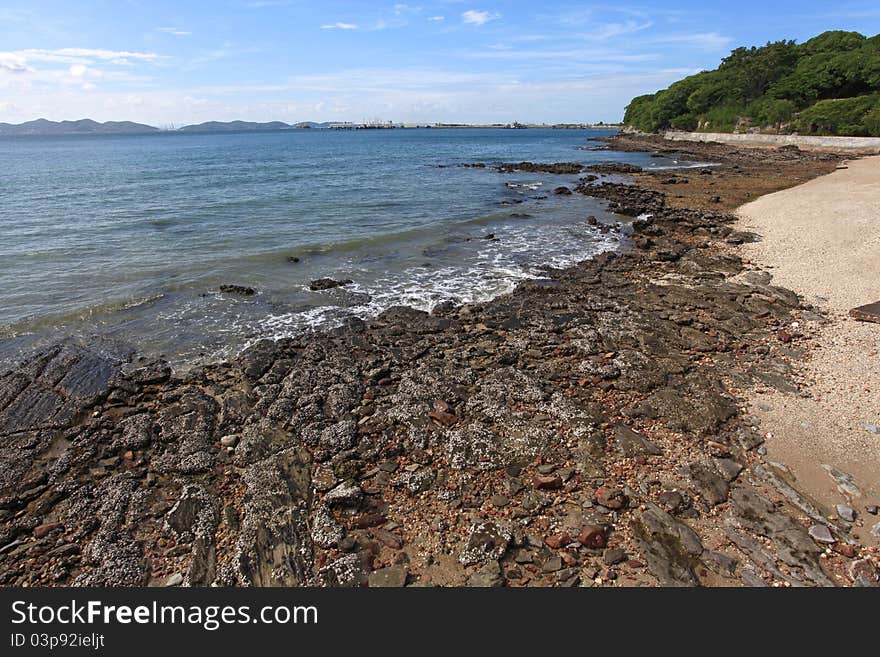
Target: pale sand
[822, 239]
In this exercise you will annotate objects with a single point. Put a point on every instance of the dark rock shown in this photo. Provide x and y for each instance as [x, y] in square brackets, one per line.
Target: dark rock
[593, 537]
[867, 313]
[614, 556]
[485, 541]
[328, 284]
[669, 547]
[489, 576]
[532, 167]
[614, 167]
[390, 577]
[711, 486]
[611, 498]
[238, 289]
[562, 191]
[634, 444]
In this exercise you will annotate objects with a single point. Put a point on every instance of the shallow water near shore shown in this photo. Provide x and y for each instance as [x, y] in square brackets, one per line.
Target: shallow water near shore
[131, 237]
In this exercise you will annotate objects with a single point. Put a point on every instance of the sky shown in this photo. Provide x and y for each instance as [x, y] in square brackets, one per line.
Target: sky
[478, 61]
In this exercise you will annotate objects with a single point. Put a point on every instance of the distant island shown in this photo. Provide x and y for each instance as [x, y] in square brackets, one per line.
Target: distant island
[829, 85]
[216, 126]
[88, 126]
[83, 126]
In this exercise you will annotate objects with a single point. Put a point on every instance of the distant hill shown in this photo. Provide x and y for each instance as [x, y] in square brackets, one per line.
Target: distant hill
[83, 126]
[215, 126]
[829, 85]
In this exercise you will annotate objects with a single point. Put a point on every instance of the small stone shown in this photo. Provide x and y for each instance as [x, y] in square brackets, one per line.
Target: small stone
[551, 565]
[592, 536]
[486, 541]
[229, 441]
[557, 541]
[614, 556]
[846, 512]
[174, 580]
[523, 556]
[489, 576]
[873, 509]
[821, 534]
[499, 501]
[611, 498]
[548, 482]
[47, 528]
[671, 500]
[390, 577]
[344, 493]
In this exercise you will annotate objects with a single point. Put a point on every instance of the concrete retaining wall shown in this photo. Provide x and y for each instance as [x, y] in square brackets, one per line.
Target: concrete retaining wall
[855, 144]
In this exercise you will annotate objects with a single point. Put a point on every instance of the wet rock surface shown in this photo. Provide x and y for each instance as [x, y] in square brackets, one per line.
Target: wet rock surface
[585, 433]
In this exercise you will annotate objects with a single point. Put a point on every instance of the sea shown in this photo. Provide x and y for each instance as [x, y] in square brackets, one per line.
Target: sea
[130, 237]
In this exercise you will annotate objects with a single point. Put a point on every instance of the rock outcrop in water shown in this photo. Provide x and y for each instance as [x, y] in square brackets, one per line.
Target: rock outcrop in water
[583, 430]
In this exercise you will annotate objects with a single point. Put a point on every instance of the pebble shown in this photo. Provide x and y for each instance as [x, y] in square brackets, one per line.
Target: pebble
[175, 580]
[391, 577]
[499, 501]
[872, 509]
[614, 556]
[821, 534]
[46, 528]
[229, 441]
[592, 536]
[846, 512]
[557, 541]
[548, 482]
[551, 565]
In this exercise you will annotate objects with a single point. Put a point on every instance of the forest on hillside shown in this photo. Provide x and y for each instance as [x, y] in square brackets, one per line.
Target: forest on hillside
[829, 85]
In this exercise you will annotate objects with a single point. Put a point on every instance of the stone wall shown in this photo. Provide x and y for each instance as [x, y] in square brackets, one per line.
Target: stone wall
[856, 144]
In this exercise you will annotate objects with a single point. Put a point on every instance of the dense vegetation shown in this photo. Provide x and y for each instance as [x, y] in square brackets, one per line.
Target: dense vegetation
[829, 85]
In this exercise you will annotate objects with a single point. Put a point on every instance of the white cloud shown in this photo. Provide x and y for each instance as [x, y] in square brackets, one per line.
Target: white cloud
[340, 26]
[611, 30]
[478, 17]
[174, 31]
[77, 56]
[78, 70]
[707, 40]
[437, 19]
[401, 9]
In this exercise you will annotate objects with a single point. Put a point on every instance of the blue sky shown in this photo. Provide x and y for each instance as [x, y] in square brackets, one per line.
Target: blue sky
[164, 62]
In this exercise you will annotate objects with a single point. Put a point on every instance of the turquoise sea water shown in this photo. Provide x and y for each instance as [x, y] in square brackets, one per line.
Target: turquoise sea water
[131, 236]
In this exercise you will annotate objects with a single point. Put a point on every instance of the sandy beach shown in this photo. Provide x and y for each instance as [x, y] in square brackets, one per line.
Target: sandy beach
[821, 240]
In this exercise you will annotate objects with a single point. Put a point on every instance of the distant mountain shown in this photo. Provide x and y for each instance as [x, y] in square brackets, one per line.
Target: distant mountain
[215, 126]
[83, 126]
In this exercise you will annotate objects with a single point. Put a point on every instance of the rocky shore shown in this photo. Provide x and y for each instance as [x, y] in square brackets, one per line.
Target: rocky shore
[586, 430]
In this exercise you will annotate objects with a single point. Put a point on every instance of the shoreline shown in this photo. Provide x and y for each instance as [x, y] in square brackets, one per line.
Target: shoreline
[589, 430]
